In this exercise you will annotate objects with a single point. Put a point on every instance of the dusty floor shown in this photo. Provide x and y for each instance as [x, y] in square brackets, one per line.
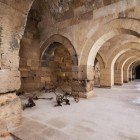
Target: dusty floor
[112, 114]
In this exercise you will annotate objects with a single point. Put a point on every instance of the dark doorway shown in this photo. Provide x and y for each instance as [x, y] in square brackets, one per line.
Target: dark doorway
[138, 72]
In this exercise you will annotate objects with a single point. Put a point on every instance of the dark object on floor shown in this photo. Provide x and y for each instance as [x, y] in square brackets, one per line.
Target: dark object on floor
[67, 101]
[73, 94]
[62, 98]
[59, 100]
[37, 98]
[30, 104]
[19, 93]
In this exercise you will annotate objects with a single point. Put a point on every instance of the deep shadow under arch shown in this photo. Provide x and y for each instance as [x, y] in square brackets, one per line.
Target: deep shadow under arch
[137, 72]
[56, 38]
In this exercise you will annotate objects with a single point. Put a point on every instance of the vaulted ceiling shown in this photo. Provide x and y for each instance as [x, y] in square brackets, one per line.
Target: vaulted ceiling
[64, 9]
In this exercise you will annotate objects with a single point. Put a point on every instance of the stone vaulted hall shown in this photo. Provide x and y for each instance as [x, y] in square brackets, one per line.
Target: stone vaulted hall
[69, 69]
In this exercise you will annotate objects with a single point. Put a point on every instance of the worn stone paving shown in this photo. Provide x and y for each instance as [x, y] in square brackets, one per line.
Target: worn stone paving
[110, 115]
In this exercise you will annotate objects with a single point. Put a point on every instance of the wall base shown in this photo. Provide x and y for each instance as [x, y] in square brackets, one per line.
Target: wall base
[103, 86]
[118, 84]
[86, 94]
[10, 112]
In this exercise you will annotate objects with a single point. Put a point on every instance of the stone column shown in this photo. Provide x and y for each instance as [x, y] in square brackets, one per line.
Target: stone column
[133, 74]
[130, 75]
[118, 79]
[12, 22]
[83, 80]
[105, 78]
[125, 76]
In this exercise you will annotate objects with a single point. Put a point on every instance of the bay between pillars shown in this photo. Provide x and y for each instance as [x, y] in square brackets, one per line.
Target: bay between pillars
[83, 80]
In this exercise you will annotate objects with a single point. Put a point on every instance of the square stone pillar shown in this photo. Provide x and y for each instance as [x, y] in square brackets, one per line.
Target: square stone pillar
[13, 17]
[105, 78]
[83, 80]
[126, 76]
[130, 75]
[118, 78]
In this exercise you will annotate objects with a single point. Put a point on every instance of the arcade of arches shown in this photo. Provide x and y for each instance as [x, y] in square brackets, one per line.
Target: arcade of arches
[95, 42]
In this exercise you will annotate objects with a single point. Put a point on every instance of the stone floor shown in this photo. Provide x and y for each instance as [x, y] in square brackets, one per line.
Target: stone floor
[112, 114]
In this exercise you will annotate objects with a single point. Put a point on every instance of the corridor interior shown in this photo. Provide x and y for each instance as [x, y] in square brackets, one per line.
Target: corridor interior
[112, 114]
[69, 69]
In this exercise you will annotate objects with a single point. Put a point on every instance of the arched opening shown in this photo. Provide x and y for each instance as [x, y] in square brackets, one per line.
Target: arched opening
[94, 43]
[41, 53]
[58, 63]
[137, 70]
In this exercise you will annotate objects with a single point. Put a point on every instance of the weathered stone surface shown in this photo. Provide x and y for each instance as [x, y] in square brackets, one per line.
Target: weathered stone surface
[10, 112]
[83, 28]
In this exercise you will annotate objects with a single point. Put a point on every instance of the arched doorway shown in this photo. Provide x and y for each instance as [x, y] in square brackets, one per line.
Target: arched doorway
[58, 62]
[138, 72]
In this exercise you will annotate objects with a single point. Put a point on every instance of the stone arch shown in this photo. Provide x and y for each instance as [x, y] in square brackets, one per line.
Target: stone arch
[114, 60]
[97, 45]
[122, 45]
[59, 57]
[107, 74]
[109, 71]
[63, 40]
[120, 50]
[118, 70]
[126, 68]
[109, 30]
[132, 70]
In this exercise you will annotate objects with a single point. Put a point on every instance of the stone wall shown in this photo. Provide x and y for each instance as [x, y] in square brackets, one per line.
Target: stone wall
[56, 65]
[10, 112]
[12, 21]
[13, 15]
[97, 74]
[71, 27]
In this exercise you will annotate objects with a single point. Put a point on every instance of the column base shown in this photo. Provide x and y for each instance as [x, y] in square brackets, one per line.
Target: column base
[103, 86]
[86, 94]
[125, 81]
[10, 112]
[118, 84]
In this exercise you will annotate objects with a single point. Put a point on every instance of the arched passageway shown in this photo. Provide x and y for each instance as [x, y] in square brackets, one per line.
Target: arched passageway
[53, 64]
[35, 45]
[138, 72]
[55, 40]
[58, 62]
